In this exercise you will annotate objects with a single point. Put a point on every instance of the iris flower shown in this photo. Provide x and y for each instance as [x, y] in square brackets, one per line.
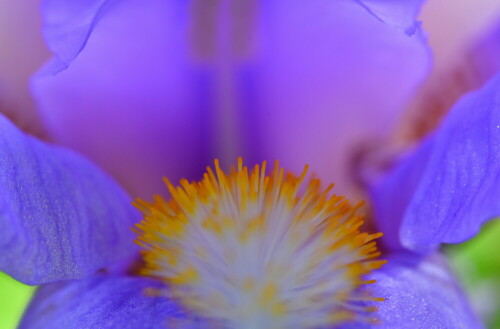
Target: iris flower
[66, 225]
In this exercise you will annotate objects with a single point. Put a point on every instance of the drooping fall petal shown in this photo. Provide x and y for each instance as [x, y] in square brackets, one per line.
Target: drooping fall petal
[419, 293]
[60, 216]
[105, 302]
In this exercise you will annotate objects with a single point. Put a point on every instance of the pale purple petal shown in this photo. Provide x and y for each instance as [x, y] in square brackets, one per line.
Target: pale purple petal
[400, 14]
[67, 26]
[333, 77]
[104, 302]
[162, 87]
[130, 101]
[483, 54]
[420, 294]
[60, 216]
[450, 185]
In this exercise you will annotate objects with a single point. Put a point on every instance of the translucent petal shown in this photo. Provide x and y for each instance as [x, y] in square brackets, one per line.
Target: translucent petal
[303, 82]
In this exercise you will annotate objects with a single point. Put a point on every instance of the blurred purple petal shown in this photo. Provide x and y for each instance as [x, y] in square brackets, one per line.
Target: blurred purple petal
[67, 26]
[420, 294]
[400, 14]
[60, 216]
[130, 102]
[104, 302]
[332, 78]
[483, 53]
[298, 81]
[450, 185]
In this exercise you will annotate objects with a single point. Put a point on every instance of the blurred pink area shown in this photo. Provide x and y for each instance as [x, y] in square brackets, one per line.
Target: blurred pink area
[453, 24]
[465, 39]
[22, 52]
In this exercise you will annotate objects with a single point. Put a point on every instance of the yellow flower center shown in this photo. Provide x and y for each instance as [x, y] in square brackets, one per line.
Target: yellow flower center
[250, 250]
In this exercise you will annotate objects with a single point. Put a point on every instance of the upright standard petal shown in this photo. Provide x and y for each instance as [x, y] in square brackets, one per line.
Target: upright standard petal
[60, 216]
[419, 293]
[104, 302]
[400, 14]
[67, 26]
[332, 78]
[173, 84]
[450, 185]
[130, 101]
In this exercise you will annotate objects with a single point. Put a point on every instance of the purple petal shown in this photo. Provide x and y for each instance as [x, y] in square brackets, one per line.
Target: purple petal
[104, 302]
[60, 216]
[420, 294]
[450, 185]
[333, 78]
[400, 14]
[130, 101]
[298, 81]
[67, 26]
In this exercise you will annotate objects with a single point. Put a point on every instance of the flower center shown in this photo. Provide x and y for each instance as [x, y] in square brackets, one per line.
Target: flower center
[250, 250]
